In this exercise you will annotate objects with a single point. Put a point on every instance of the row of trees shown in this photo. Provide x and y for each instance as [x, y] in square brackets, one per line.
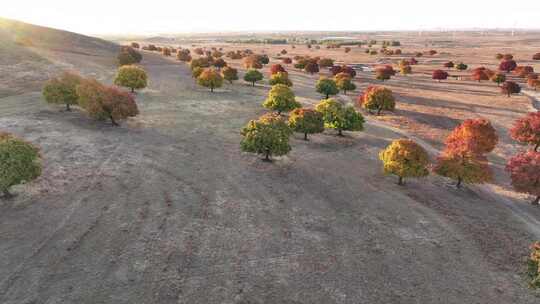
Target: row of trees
[98, 100]
[269, 135]
[463, 159]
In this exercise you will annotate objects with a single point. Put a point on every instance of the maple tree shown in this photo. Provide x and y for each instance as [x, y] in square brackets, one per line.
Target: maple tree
[524, 169]
[526, 130]
[377, 99]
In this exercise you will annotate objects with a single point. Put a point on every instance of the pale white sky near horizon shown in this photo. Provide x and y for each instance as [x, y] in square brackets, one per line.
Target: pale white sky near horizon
[165, 16]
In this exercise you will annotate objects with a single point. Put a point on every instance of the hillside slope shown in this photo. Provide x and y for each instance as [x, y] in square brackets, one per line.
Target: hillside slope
[30, 54]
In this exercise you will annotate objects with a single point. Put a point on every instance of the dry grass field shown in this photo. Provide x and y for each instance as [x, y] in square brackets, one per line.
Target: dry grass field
[166, 209]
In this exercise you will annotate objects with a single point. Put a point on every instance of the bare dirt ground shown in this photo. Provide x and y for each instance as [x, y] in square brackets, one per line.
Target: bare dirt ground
[165, 209]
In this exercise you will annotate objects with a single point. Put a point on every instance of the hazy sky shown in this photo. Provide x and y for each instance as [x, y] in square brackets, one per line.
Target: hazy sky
[164, 16]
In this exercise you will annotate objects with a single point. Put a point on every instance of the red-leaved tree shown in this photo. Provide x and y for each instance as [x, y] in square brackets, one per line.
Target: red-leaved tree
[276, 68]
[526, 130]
[509, 87]
[524, 169]
[439, 75]
[507, 66]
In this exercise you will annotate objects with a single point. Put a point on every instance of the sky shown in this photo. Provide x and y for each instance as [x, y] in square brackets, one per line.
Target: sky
[101, 17]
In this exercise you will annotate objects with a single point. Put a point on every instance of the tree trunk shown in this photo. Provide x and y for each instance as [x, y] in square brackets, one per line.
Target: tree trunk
[132, 90]
[340, 132]
[400, 181]
[68, 108]
[536, 147]
[267, 155]
[536, 201]
[327, 95]
[379, 110]
[458, 185]
[305, 136]
[212, 89]
[253, 84]
[114, 123]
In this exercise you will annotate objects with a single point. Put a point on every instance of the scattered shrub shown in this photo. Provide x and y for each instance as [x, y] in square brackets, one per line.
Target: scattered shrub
[20, 162]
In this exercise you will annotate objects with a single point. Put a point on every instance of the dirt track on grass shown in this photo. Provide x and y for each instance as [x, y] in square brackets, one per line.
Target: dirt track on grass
[165, 209]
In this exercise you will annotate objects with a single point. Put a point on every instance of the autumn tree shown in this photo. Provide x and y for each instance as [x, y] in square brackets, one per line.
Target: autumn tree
[533, 266]
[269, 135]
[524, 169]
[509, 87]
[413, 61]
[523, 71]
[62, 90]
[219, 63]
[312, 68]
[377, 99]
[449, 65]
[339, 117]
[479, 74]
[306, 121]
[344, 82]
[533, 83]
[281, 99]
[499, 56]
[210, 78]
[326, 62]
[439, 75]
[384, 73]
[286, 60]
[536, 56]
[132, 77]
[461, 66]
[183, 55]
[432, 52]
[275, 68]
[102, 102]
[464, 168]
[463, 158]
[476, 136]
[128, 55]
[405, 70]
[20, 162]
[135, 45]
[202, 62]
[196, 72]
[252, 62]
[166, 51]
[526, 130]
[229, 74]
[405, 158]
[498, 78]
[507, 66]
[327, 87]
[283, 52]
[281, 78]
[253, 76]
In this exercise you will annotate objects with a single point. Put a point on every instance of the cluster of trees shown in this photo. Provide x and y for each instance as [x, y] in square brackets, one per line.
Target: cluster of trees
[98, 100]
[269, 135]
[524, 168]
[20, 162]
[463, 159]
